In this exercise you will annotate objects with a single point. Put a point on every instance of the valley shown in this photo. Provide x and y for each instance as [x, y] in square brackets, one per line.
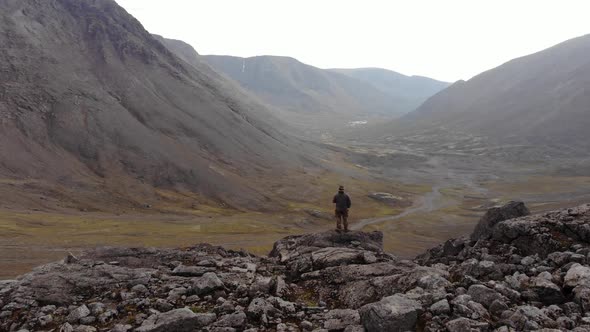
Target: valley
[440, 197]
[111, 135]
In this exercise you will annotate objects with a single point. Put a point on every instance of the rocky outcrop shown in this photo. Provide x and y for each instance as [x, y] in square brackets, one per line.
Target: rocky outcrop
[511, 210]
[523, 274]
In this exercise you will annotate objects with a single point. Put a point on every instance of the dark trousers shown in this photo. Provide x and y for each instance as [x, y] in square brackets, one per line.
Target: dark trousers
[341, 218]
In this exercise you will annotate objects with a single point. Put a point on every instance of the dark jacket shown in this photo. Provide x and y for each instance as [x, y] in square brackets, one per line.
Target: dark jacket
[342, 202]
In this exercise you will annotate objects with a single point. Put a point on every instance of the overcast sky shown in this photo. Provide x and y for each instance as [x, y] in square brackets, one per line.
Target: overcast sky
[446, 40]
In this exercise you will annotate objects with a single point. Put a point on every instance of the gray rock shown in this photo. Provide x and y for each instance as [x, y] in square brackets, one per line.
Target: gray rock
[483, 294]
[560, 258]
[493, 216]
[261, 286]
[292, 246]
[191, 271]
[441, 307]
[236, 320]
[5, 314]
[279, 286]
[78, 313]
[66, 328]
[530, 318]
[206, 284]
[87, 320]
[517, 281]
[45, 320]
[465, 324]
[107, 316]
[395, 313]
[306, 325]
[548, 292]
[497, 307]
[179, 320]
[339, 319]
[121, 328]
[285, 307]
[96, 308]
[71, 259]
[582, 297]
[565, 323]
[85, 328]
[528, 261]
[333, 256]
[478, 311]
[140, 289]
[259, 307]
[163, 306]
[577, 275]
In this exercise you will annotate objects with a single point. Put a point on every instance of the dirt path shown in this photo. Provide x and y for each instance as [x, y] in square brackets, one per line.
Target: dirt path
[427, 203]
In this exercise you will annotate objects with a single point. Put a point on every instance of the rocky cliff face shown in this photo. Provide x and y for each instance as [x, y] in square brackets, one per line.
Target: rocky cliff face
[522, 274]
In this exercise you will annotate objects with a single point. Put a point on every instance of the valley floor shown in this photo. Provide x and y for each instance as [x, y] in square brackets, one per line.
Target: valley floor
[436, 202]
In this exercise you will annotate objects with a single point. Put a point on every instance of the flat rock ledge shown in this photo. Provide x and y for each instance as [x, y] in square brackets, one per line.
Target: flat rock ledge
[516, 272]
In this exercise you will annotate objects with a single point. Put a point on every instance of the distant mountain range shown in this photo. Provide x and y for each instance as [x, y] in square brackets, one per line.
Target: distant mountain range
[92, 102]
[539, 99]
[414, 90]
[325, 99]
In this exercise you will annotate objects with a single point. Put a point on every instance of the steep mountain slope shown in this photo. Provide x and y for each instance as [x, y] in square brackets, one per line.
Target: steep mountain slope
[413, 89]
[181, 49]
[89, 99]
[540, 99]
[306, 95]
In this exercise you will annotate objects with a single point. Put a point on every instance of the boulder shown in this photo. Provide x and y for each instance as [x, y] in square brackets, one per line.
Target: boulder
[77, 314]
[235, 320]
[395, 313]
[530, 318]
[493, 216]
[548, 292]
[465, 324]
[208, 283]
[179, 320]
[339, 319]
[121, 328]
[191, 271]
[327, 257]
[483, 295]
[259, 307]
[441, 307]
[292, 246]
[577, 275]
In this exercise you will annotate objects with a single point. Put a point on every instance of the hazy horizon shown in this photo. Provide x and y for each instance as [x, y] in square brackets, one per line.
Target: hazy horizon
[447, 41]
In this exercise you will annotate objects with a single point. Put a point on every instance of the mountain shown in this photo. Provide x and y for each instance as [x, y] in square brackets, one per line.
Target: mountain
[308, 96]
[93, 107]
[541, 100]
[413, 89]
[181, 49]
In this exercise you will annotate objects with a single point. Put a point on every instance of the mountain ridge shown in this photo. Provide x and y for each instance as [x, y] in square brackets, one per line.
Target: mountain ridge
[310, 96]
[539, 97]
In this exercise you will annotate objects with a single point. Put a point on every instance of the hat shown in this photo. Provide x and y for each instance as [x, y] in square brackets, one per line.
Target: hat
[341, 188]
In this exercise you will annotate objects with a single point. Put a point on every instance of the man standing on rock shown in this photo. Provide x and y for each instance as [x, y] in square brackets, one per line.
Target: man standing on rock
[343, 203]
